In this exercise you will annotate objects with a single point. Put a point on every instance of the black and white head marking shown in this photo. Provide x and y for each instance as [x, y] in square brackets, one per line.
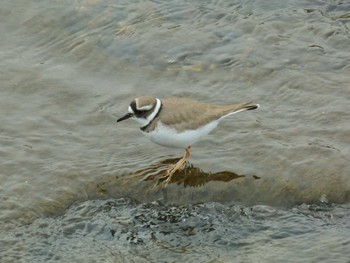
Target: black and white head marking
[144, 114]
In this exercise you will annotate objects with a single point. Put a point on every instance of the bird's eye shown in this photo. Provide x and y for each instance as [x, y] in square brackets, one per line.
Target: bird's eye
[134, 108]
[140, 113]
[137, 113]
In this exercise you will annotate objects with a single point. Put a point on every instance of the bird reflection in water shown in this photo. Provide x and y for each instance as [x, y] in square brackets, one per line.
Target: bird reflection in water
[189, 176]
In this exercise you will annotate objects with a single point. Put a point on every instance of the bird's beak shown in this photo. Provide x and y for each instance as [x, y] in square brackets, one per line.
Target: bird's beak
[127, 116]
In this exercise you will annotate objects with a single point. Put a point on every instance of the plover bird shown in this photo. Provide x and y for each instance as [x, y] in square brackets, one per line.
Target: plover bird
[179, 122]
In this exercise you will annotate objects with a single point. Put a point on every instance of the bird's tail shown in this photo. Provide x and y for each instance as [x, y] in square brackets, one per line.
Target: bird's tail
[233, 109]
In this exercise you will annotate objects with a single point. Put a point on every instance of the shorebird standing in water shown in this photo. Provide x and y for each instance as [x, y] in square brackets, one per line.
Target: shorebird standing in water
[179, 122]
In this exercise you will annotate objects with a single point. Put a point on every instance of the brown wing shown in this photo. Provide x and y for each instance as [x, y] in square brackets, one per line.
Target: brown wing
[187, 114]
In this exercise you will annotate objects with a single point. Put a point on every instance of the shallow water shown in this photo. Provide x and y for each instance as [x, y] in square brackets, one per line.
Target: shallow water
[68, 70]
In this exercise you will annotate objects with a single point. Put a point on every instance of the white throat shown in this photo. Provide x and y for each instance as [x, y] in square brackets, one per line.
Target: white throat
[144, 122]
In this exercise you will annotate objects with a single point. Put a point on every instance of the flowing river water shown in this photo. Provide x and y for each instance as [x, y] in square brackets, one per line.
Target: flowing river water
[270, 185]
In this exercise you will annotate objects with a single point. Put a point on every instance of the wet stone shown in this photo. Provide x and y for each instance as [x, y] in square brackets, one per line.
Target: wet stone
[153, 229]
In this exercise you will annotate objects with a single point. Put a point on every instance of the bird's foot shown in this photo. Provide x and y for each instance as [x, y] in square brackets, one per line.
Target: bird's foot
[174, 168]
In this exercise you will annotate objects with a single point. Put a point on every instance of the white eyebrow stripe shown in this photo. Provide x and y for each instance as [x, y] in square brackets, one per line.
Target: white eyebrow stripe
[146, 107]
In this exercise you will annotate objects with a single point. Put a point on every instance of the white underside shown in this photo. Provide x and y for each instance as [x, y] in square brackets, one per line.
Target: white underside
[168, 137]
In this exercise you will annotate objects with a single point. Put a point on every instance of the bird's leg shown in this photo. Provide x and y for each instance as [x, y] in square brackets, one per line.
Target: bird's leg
[181, 162]
[177, 166]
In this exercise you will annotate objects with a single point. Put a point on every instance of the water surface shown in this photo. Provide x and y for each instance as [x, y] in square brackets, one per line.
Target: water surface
[69, 69]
